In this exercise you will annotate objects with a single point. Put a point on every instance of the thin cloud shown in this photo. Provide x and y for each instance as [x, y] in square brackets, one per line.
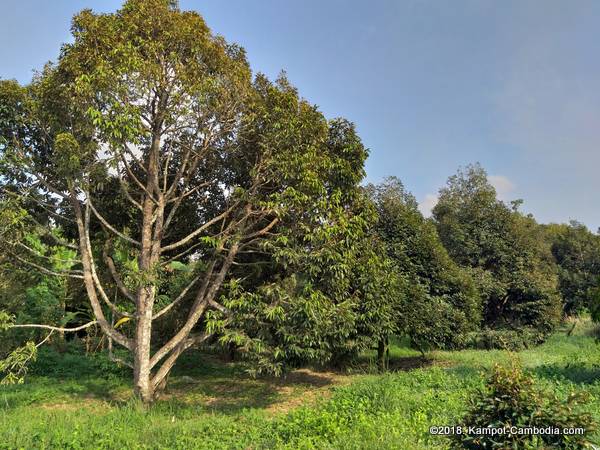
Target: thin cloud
[427, 204]
[503, 185]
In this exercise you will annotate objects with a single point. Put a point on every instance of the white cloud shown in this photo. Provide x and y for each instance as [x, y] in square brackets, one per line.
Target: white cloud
[427, 204]
[502, 185]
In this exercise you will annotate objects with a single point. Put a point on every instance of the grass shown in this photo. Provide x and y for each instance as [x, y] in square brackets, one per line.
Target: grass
[74, 402]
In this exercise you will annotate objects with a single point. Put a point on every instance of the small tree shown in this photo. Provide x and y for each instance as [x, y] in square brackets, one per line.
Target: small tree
[510, 399]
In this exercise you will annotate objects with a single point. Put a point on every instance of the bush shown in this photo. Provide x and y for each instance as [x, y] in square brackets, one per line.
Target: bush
[503, 339]
[510, 399]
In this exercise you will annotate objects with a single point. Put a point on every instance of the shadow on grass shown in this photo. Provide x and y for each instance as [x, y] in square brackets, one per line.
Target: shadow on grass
[228, 389]
[366, 364]
[199, 382]
[65, 394]
[578, 373]
[407, 363]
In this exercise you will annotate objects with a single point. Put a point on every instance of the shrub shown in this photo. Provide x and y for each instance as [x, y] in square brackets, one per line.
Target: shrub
[510, 399]
[503, 339]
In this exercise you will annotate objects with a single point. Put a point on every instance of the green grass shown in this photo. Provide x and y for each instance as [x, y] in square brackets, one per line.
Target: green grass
[74, 402]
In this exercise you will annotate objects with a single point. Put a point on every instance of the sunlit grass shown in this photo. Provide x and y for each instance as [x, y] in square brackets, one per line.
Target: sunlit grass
[75, 402]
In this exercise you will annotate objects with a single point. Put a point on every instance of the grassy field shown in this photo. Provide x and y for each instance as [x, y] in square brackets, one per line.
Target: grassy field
[75, 402]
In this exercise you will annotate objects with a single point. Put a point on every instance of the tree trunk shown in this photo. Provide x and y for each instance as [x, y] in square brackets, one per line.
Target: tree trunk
[383, 355]
[151, 237]
[110, 341]
[142, 381]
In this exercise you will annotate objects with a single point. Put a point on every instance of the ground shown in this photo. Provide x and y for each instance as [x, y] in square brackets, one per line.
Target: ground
[74, 402]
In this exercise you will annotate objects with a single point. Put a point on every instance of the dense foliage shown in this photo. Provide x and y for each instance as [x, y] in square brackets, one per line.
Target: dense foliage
[439, 304]
[577, 253]
[506, 252]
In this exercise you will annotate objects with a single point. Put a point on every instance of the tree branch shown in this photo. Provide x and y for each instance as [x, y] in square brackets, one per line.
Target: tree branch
[262, 232]
[47, 271]
[108, 225]
[178, 300]
[170, 361]
[87, 274]
[204, 296]
[50, 327]
[199, 230]
[75, 261]
[113, 272]
[125, 189]
[137, 181]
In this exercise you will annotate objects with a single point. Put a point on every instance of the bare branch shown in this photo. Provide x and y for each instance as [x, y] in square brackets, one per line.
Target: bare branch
[47, 231]
[262, 232]
[92, 266]
[196, 312]
[183, 253]
[179, 173]
[189, 192]
[71, 274]
[137, 181]
[50, 327]
[125, 189]
[116, 359]
[48, 257]
[48, 208]
[199, 230]
[43, 341]
[135, 158]
[205, 294]
[113, 272]
[108, 225]
[170, 361]
[218, 306]
[166, 166]
[90, 287]
[178, 300]
[44, 205]
[47, 185]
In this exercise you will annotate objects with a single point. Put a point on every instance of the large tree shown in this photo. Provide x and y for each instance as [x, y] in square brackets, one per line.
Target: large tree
[577, 253]
[164, 165]
[439, 304]
[505, 250]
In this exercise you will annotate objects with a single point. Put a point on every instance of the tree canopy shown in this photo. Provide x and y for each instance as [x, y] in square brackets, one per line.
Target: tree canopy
[577, 253]
[505, 250]
[441, 304]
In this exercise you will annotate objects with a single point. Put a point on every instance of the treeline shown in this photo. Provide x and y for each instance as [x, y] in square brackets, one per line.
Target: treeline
[158, 193]
[478, 273]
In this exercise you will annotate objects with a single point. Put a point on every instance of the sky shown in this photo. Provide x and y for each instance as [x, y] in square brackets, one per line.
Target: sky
[430, 85]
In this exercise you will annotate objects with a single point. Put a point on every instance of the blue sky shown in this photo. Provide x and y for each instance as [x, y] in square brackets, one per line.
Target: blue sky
[431, 85]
